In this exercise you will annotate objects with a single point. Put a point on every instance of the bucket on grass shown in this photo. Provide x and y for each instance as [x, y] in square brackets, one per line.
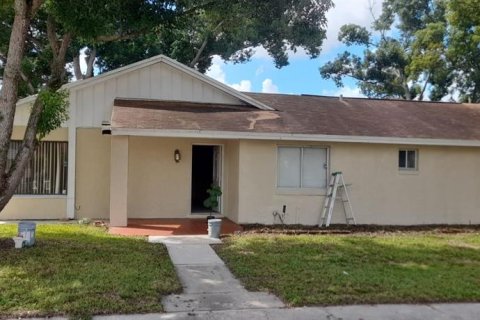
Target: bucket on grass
[26, 230]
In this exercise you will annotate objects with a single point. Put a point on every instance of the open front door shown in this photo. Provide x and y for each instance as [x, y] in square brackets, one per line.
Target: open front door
[206, 170]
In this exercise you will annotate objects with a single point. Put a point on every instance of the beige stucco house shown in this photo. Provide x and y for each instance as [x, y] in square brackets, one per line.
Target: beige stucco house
[146, 140]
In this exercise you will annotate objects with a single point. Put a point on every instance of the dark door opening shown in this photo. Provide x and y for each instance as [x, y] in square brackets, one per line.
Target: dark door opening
[205, 171]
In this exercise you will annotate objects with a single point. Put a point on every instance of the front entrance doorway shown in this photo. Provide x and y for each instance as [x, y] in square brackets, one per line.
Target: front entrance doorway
[206, 170]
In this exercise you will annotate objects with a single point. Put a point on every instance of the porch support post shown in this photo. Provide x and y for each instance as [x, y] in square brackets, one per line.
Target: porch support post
[118, 181]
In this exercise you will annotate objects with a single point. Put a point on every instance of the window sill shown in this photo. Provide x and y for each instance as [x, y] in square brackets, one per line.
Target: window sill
[301, 192]
[408, 172]
[40, 196]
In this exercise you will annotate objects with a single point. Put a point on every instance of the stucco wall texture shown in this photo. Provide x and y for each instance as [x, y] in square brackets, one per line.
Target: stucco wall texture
[444, 189]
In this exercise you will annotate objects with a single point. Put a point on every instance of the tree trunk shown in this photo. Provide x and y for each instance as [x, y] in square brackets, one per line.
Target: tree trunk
[9, 91]
[90, 60]
[57, 66]
[77, 71]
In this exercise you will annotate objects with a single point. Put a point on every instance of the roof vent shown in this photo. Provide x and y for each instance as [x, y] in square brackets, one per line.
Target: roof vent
[340, 97]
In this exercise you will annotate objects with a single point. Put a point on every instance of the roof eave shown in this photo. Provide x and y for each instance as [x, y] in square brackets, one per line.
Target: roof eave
[210, 134]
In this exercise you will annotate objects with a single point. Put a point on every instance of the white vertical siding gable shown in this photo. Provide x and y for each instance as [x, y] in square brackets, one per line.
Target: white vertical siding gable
[157, 81]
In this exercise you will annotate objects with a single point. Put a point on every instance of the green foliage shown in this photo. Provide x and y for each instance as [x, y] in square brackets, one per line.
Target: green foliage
[229, 29]
[79, 271]
[352, 34]
[190, 31]
[54, 112]
[358, 269]
[418, 46]
[464, 47]
[212, 201]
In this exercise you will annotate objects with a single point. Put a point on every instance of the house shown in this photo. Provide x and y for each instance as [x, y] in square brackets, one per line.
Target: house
[148, 139]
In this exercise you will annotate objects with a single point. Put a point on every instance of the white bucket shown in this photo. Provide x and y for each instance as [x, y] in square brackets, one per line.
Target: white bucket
[214, 227]
[18, 242]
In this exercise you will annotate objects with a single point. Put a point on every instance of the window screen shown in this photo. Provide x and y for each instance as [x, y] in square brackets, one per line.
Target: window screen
[302, 167]
[46, 173]
[289, 160]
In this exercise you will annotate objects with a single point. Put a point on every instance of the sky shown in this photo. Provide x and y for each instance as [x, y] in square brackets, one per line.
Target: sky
[301, 76]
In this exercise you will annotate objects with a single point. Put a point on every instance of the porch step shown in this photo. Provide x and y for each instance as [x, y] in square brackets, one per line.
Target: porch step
[187, 239]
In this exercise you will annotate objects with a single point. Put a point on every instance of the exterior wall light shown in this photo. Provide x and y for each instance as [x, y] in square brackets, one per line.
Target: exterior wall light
[177, 156]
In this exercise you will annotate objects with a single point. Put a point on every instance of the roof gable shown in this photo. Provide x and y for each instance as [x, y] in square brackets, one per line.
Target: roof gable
[162, 65]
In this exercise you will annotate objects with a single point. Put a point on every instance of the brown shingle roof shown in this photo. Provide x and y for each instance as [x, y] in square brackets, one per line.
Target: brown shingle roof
[308, 115]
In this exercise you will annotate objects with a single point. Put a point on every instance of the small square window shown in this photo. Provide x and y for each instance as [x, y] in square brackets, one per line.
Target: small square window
[407, 159]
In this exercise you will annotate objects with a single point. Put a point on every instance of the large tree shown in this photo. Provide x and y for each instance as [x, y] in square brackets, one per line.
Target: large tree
[464, 47]
[39, 38]
[414, 48]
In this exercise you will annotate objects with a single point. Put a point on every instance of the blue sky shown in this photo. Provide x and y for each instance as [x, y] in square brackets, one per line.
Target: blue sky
[301, 75]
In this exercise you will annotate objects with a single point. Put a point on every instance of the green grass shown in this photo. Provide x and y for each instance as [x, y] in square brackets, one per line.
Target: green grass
[79, 271]
[354, 269]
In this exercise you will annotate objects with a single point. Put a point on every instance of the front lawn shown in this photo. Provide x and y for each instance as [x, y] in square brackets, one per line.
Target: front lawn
[80, 270]
[361, 268]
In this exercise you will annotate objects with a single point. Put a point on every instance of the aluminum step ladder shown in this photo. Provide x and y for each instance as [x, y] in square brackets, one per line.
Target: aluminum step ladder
[336, 187]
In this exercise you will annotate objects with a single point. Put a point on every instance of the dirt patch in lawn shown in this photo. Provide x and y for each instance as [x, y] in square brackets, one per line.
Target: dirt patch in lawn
[357, 229]
[6, 243]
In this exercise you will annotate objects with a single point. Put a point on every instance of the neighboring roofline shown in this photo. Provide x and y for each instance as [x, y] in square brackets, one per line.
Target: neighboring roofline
[153, 60]
[210, 134]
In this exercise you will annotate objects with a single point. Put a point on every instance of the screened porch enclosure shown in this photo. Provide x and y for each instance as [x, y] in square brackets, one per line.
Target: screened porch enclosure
[46, 172]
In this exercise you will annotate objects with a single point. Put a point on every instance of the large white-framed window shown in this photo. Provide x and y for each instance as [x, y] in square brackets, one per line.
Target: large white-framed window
[46, 172]
[302, 167]
[408, 159]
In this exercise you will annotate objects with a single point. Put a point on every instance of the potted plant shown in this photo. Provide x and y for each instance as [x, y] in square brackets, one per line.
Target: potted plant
[214, 192]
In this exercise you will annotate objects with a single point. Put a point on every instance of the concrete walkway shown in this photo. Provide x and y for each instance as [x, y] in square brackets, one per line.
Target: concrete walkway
[207, 283]
[457, 311]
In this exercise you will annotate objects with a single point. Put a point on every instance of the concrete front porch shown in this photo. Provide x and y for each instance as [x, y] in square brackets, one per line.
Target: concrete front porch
[168, 227]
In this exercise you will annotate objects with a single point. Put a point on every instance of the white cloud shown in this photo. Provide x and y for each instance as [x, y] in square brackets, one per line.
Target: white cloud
[348, 11]
[216, 72]
[244, 85]
[346, 91]
[269, 87]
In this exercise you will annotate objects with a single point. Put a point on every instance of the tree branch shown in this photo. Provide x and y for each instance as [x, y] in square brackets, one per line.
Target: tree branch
[120, 37]
[204, 44]
[31, 89]
[199, 7]
[424, 86]
[90, 60]
[62, 51]
[36, 4]
[52, 36]
[76, 67]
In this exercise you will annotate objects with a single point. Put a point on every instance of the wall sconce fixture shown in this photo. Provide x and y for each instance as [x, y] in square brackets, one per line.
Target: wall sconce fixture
[177, 156]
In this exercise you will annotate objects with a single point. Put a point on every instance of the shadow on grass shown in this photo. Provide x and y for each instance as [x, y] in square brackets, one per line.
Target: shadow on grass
[329, 270]
[79, 271]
